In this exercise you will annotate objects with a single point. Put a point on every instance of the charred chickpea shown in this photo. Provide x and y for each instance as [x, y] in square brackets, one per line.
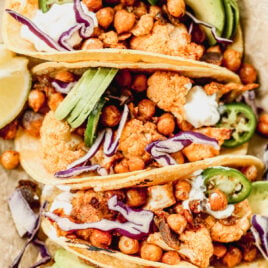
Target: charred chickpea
[64, 76]
[101, 239]
[232, 257]
[176, 8]
[140, 9]
[171, 257]
[135, 163]
[123, 78]
[139, 83]
[166, 124]
[146, 109]
[10, 159]
[262, 126]
[182, 189]
[36, 99]
[121, 167]
[9, 132]
[247, 73]
[136, 197]
[217, 200]
[32, 123]
[93, 5]
[151, 252]
[250, 254]
[219, 250]
[231, 59]
[127, 2]
[250, 172]
[110, 116]
[92, 43]
[105, 17]
[177, 223]
[123, 21]
[128, 245]
[54, 100]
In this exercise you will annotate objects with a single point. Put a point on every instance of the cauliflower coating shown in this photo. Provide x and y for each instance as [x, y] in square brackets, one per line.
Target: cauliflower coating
[59, 147]
[168, 90]
[170, 40]
[136, 136]
[197, 246]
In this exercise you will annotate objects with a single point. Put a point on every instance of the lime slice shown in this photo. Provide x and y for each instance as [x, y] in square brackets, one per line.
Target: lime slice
[15, 83]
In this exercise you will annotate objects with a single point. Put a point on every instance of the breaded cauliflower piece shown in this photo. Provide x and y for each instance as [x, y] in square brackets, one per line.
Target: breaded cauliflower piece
[170, 40]
[59, 147]
[136, 136]
[168, 90]
[197, 246]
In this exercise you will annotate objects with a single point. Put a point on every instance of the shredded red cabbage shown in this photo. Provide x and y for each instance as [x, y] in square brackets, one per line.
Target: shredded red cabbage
[260, 232]
[36, 30]
[67, 35]
[62, 87]
[33, 239]
[161, 150]
[211, 27]
[249, 97]
[137, 226]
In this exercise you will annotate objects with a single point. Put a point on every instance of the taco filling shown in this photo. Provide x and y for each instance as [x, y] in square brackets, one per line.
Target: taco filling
[165, 27]
[106, 121]
[204, 220]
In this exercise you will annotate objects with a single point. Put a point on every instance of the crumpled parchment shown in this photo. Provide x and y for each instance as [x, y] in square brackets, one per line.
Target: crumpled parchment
[254, 14]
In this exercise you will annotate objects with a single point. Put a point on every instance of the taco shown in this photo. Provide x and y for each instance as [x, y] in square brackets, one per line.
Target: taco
[198, 219]
[122, 123]
[126, 30]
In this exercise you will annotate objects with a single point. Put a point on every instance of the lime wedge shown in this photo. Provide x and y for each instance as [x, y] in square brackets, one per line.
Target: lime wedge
[15, 83]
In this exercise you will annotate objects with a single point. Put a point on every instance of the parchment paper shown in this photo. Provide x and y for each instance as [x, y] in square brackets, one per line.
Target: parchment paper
[254, 15]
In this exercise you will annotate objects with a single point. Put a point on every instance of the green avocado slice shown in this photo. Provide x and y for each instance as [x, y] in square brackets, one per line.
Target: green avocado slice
[212, 12]
[232, 18]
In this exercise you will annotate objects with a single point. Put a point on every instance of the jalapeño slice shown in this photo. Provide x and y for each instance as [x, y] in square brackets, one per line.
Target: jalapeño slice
[241, 119]
[228, 180]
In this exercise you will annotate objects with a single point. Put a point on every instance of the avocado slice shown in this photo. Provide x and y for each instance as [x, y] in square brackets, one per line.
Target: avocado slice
[95, 89]
[92, 123]
[212, 12]
[65, 259]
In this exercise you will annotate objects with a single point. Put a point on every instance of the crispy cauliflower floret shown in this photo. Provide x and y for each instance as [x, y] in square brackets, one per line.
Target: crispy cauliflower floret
[170, 40]
[59, 147]
[195, 152]
[136, 136]
[168, 90]
[197, 246]
[160, 196]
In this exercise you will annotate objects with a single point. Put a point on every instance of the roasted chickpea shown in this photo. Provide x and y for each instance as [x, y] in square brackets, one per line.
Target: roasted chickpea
[32, 122]
[146, 109]
[218, 200]
[178, 156]
[154, 11]
[139, 83]
[127, 2]
[123, 21]
[54, 100]
[250, 172]
[247, 73]
[231, 59]
[93, 5]
[143, 26]
[151, 252]
[262, 126]
[135, 163]
[233, 257]
[92, 43]
[121, 167]
[10, 159]
[128, 245]
[171, 258]
[140, 9]
[176, 8]
[101, 239]
[250, 254]
[219, 250]
[105, 17]
[9, 131]
[166, 124]
[123, 78]
[182, 189]
[214, 49]
[177, 223]
[110, 116]
[109, 38]
[64, 76]
[36, 99]
[136, 197]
